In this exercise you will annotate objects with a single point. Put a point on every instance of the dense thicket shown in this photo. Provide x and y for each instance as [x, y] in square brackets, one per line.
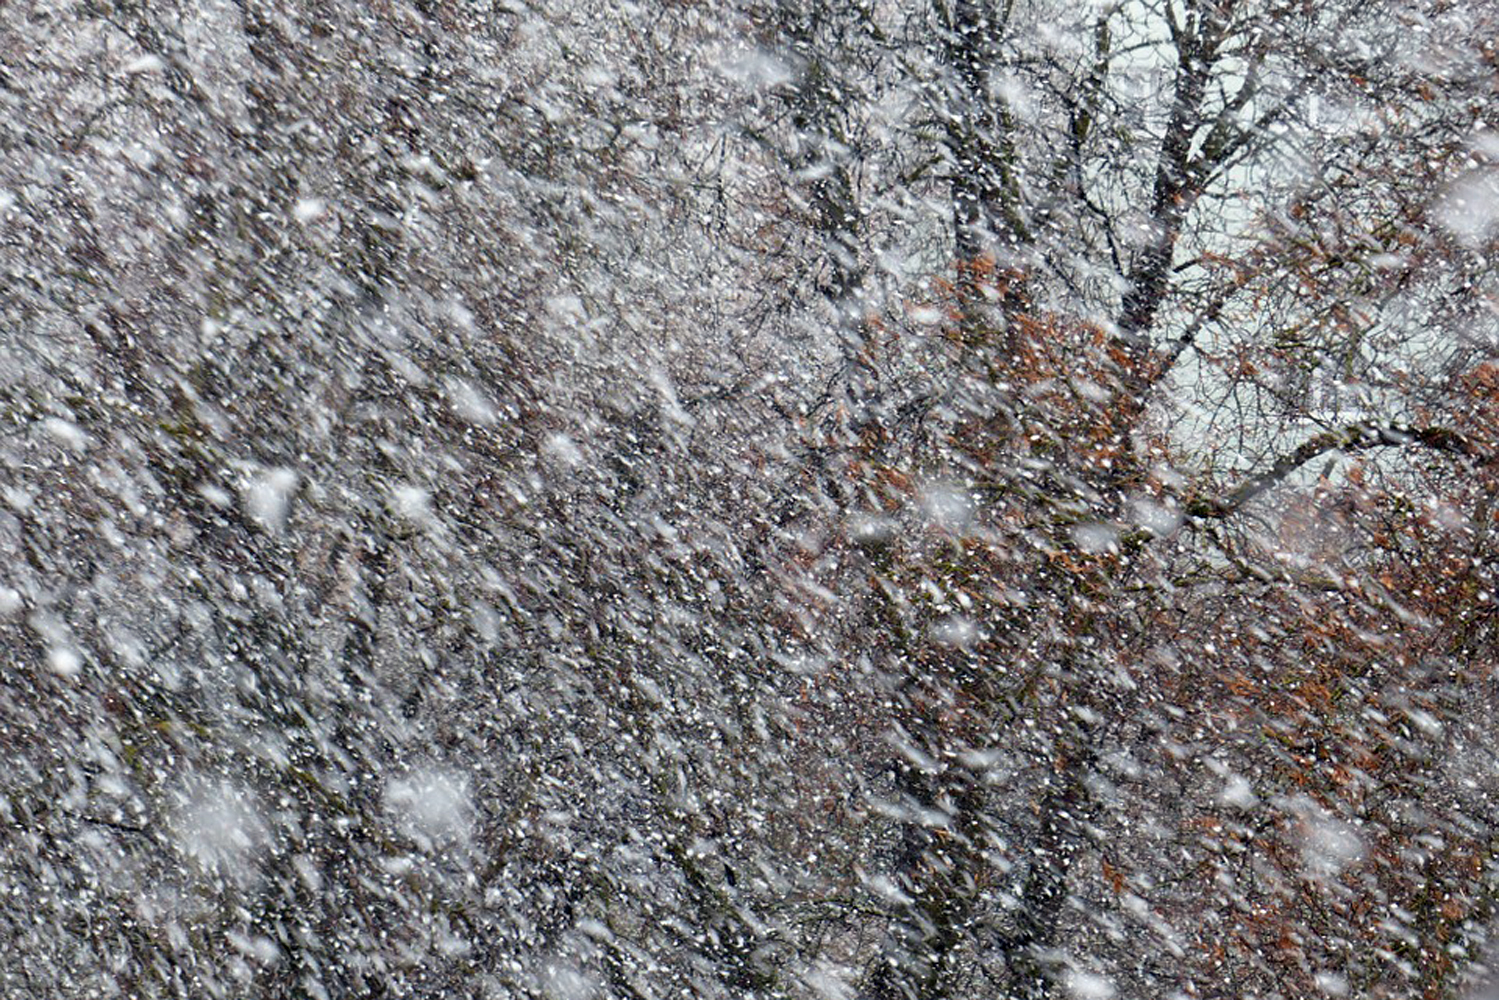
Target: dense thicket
[777, 498]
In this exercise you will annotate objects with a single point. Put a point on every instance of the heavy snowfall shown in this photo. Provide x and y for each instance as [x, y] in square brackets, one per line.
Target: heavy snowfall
[776, 499]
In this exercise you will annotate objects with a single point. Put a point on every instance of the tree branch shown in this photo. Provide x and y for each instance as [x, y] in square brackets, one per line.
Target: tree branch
[1355, 437]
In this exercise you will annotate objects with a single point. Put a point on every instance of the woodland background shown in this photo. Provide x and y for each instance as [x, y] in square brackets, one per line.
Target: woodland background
[748, 498]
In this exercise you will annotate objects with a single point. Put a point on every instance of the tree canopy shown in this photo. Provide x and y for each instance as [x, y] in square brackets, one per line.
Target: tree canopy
[748, 498]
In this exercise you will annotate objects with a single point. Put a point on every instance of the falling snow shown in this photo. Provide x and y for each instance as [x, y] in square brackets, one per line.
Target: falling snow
[773, 499]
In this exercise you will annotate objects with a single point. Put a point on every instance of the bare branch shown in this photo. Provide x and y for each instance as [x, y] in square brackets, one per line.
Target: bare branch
[1355, 437]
